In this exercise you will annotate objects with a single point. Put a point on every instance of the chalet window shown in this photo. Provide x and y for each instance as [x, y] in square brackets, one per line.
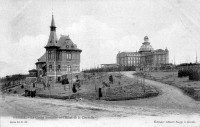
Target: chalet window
[50, 67]
[68, 68]
[50, 78]
[50, 55]
[78, 56]
[58, 67]
[69, 56]
[58, 55]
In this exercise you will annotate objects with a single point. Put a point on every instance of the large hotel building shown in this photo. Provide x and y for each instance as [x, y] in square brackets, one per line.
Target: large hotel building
[146, 57]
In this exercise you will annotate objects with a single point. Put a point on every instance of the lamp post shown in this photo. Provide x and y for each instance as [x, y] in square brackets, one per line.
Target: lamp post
[70, 84]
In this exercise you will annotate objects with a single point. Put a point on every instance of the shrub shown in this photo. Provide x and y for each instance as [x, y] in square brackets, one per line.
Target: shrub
[189, 91]
[194, 75]
[183, 73]
[15, 92]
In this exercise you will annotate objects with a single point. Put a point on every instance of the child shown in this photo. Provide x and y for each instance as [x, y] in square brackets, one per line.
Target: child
[44, 85]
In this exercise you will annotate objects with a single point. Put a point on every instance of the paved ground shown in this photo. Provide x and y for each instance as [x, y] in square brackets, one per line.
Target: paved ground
[171, 103]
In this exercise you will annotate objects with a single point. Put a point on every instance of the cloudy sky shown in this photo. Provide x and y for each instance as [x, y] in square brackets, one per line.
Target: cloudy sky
[100, 28]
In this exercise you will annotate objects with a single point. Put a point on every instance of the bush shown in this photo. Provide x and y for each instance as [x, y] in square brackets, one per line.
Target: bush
[184, 73]
[189, 91]
[194, 75]
[15, 92]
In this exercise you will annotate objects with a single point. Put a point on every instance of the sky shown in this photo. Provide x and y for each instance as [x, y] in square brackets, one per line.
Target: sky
[100, 28]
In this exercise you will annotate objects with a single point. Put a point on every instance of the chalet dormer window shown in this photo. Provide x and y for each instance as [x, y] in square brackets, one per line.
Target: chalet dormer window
[69, 55]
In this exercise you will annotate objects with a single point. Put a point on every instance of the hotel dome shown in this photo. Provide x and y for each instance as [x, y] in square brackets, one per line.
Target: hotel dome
[146, 47]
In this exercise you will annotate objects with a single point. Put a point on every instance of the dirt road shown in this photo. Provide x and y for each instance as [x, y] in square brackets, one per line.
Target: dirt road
[170, 98]
[171, 102]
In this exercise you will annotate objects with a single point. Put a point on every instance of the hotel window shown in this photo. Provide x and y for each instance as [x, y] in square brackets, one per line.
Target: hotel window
[68, 68]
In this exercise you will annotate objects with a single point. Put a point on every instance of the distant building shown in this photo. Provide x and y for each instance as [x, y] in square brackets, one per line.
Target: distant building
[146, 57]
[61, 57]
[128, 58]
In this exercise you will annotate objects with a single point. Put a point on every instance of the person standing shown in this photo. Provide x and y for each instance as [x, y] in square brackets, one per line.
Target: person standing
[78, 82]
[100, 93]
[33, 90]
[44, 85]
[111, 79]
[48, 85]
[65, 82]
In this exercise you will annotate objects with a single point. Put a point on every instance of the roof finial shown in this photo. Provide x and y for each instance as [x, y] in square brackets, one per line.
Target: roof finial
[196, 57]
[53, 22]
[52, 6]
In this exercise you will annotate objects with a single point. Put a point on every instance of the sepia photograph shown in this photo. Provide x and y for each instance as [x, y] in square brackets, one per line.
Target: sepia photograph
[100, 63]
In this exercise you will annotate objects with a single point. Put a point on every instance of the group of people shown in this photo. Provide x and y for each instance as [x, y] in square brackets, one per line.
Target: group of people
[111, 81]
[31, 91]
[76, 84]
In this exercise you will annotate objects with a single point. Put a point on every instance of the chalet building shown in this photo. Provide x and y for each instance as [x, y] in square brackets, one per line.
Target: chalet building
[146, 57]
[61, 57]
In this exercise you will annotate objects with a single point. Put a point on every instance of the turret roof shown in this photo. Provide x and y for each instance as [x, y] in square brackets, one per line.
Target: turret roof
[42, 59]
[52, 42]
[65, 43]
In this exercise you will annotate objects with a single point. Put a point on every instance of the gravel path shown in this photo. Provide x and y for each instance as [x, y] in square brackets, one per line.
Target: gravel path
[170, 97]
[170, 102]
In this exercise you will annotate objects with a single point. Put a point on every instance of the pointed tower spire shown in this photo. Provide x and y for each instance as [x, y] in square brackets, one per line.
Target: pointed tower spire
[52, 42]
[53, 26]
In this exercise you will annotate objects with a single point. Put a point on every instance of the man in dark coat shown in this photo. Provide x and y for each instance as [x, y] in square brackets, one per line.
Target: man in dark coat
[111, 79]
[100, 93]
[33, 90]
[65, 82]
